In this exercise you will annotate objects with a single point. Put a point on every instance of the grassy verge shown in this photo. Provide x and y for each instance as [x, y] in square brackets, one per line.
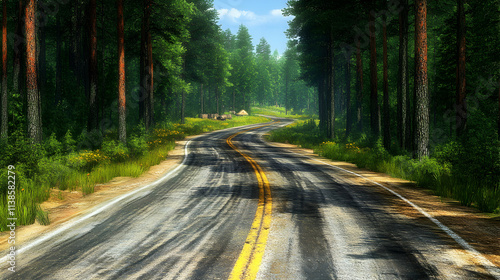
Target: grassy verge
[279, 112]
[437, 174]
[58, 164]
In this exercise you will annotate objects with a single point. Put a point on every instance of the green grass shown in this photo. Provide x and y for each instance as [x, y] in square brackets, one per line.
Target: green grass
[428, 173]
[82, 170]
[279, 112]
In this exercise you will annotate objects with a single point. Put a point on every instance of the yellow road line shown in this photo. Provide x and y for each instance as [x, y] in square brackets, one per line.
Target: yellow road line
[248, 263]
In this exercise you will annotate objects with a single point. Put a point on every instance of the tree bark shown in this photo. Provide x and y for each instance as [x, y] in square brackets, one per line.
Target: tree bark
[202, 109]
[461, 109]
[4, 119]
[42, 58]
[58, 92]
[146, 64]
[386, 116]
[402, 118]
[183, 107]
[331, 88]
[92, 120]
[348, 97]
[122, 124]
[374, 111]
[287, 78]
[217, 97]
[18, 48]
[359, 87]
[421, 82]
[33, 96]
[322, 105]
[151, 109]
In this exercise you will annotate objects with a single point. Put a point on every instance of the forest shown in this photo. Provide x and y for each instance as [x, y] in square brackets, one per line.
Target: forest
[411, 88]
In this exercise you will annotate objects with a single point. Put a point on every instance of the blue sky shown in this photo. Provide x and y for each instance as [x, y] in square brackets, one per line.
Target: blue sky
[262, 18]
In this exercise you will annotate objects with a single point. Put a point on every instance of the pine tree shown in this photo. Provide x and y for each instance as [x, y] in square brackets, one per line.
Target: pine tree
[402, 114]
[92, 116]
[461, 108]
[421, 82]
[122, 124]
[33, 96]
[4, 115]
[374, 106]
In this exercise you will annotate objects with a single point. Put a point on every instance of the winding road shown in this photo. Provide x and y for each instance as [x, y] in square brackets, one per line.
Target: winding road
[241, 208]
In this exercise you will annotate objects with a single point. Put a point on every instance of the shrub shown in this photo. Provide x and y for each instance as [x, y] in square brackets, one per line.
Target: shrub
[92, 158]
[20, 150]
[114, 150]
[53, 172]
[89, 140]
[69, 144]
[137, 146]
[52, 146]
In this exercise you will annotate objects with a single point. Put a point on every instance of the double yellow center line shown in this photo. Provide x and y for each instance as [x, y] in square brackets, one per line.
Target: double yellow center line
[248, 263]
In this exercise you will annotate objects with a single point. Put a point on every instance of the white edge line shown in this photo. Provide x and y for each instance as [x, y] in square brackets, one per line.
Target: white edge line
[487, 264]
[70, 224]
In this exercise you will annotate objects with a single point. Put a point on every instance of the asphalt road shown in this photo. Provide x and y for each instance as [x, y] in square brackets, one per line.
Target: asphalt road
[195, 223]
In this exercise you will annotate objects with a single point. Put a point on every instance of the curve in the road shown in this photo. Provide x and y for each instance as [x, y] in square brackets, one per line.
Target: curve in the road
[248, 263]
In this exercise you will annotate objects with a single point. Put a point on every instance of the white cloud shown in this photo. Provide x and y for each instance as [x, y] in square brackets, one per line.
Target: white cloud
[247, 17]
[235, 15]
[277, 13]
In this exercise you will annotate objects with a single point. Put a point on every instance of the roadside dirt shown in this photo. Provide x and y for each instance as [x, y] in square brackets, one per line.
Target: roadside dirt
[480, 230]
[65, 205]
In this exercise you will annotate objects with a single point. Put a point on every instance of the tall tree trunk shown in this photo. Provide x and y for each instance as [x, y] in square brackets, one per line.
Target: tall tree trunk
[4, 118]
[234, 99]
[92, 120]
[183, 107]
[421, 83]
[151, 105]
[461, 109]
[122, 123]
[202, 109]
[146, 66]
[374, 111]
[42, 58]
[323, 104]
[402, 118]
[217, 98]
[331, 88]
[33, 96]
[287, 78]
[18, 48]
[359, 87]
[348, 97]
[387, 119]
[57, 98]
[499, 109]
